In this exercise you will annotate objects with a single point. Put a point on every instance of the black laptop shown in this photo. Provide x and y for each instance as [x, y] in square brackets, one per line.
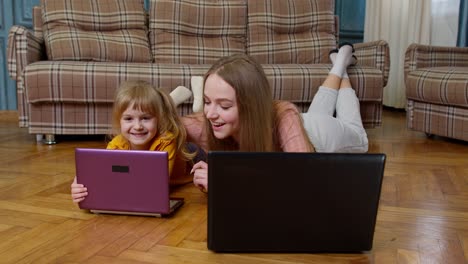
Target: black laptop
[293, 202]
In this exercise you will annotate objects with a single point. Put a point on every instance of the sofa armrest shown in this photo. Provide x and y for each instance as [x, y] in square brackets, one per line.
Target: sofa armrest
[425, 56]
[375, 54]
[23, 48]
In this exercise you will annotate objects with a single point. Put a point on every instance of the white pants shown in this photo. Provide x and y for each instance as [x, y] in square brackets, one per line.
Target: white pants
[343, 133]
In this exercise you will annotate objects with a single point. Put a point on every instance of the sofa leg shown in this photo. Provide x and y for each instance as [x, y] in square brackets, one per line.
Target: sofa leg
[429, 135]
[39, 138]
[49, 139]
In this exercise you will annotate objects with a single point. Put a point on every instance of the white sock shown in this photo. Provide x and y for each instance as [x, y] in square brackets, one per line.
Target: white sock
[197, 89]
[341, 60]
[180, 94]
[333, 58]
[345, 75]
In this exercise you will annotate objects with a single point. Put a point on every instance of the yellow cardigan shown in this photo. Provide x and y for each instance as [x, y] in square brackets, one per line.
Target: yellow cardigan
[178, 171]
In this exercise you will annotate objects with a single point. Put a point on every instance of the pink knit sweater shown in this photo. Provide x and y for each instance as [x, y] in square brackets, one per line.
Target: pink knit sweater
[292, 136]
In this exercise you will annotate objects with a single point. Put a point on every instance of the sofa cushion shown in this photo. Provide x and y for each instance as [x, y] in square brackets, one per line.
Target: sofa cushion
[197, 32]
[90, 30]
[291, 31]
[95, 82]
[50, 85]
[438, 85]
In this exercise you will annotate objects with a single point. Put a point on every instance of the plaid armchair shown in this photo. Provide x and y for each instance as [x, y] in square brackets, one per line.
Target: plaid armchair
[436, 81]
[68, 67]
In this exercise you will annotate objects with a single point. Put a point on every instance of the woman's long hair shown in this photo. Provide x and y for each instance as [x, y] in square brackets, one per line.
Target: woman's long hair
[146, 98]
[255, 103]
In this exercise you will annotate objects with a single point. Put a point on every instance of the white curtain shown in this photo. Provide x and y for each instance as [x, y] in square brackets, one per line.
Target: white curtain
[400, 23]
[444, 24]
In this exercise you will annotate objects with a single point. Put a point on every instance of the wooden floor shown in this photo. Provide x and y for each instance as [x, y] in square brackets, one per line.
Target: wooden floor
[423, 215]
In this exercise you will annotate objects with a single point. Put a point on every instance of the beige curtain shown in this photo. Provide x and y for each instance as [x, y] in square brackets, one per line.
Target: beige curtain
[400, 23]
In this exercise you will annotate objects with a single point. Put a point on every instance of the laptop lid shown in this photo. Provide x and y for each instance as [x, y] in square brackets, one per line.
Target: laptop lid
[293, 202]
[124, 181]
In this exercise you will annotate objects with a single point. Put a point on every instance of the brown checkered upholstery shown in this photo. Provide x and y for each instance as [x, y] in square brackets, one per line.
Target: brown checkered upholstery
[197, 32]
[37, 22]
[185, 37]
[285, 31]
[89, 30]
[436, 81]
[24, 48]
[83, 104]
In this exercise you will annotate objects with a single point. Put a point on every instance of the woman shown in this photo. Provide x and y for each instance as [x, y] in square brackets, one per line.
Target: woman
[239, 113]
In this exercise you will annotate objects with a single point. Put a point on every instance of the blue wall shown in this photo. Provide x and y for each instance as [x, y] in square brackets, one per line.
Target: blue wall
[462, 40]
[11, 13]
[351, 13]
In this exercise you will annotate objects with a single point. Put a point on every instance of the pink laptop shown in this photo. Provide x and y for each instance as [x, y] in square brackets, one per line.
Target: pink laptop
[125, 182]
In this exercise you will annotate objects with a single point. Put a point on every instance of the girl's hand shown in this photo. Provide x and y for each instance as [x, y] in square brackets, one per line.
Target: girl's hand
[200, 175]
[78, 191]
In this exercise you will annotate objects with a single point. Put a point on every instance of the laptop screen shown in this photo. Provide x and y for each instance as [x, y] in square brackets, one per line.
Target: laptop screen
[299, 202]
[124, 180]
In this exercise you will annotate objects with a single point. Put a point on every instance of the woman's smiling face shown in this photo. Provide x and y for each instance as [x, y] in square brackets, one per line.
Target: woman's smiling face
[221, 107]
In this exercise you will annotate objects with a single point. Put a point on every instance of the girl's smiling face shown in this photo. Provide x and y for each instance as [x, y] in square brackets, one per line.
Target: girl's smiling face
[138, 127]
[221, 107]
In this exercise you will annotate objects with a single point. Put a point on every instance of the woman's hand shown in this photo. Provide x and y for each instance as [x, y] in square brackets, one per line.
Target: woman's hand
[200, 175]
[78, 191]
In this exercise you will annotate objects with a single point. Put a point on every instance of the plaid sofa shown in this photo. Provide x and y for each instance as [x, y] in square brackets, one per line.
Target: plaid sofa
[69, 65]
[436, 81]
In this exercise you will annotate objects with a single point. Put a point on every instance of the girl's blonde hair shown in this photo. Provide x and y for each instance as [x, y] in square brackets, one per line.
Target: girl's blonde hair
[144, 97]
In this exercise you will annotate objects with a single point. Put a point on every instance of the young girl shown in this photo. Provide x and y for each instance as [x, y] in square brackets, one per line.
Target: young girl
[146, 119]
[240, 114]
